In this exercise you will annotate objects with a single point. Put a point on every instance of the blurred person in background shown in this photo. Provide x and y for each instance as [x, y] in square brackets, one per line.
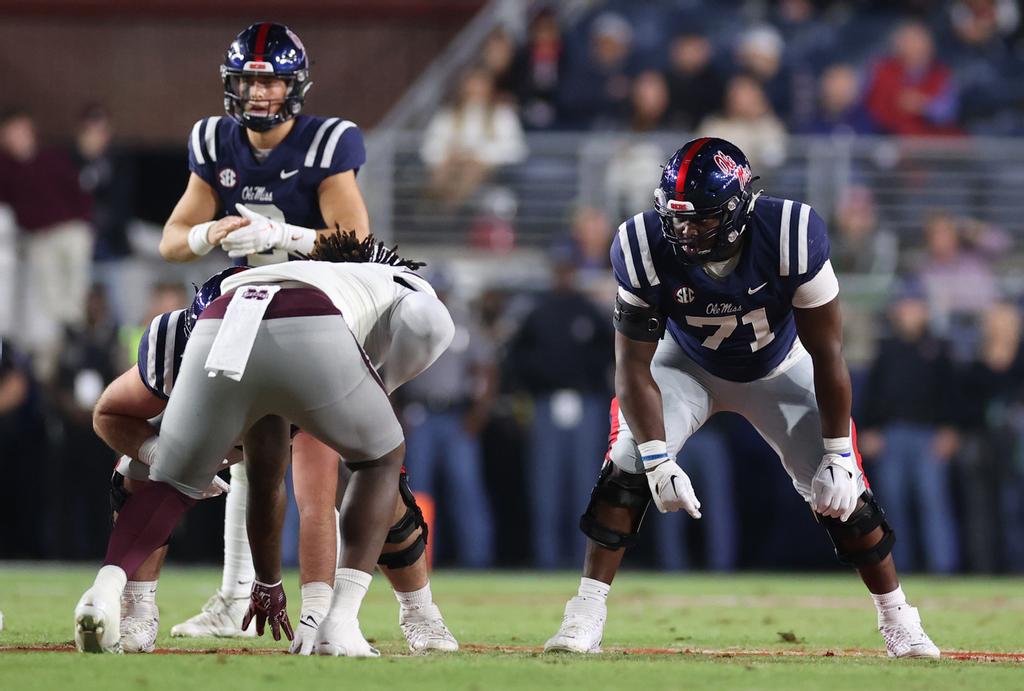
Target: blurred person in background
[861, 245]
[957, 271]
[906, 428]
[759, 55]
[497, 58]
[24, 442]
[537, 71]
[988, 389]
[695, 87]
[52, 212]
[748, 120]
[840, 108]
[445, 410]
[594, 90]
[561, 357]
[88, 362]
[633, 167]
[465, 142]
[910, 91]
[164, 296]
[109, 177]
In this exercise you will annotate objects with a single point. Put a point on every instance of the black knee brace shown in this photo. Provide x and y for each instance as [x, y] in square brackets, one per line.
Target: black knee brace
[401, 531]
[861, 522]
[620, 489]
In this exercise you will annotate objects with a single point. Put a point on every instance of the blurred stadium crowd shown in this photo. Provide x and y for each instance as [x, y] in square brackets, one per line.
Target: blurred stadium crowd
[507, 431]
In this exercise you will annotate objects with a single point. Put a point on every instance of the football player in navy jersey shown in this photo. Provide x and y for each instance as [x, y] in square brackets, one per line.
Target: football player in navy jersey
[743, 284]
[288, 176]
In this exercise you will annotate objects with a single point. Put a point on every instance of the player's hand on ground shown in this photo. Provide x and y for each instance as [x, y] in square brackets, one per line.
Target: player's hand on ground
[224, 227]
[672, 489]
[835, 487]
[305, 633]
[267, 603]
[260, 234]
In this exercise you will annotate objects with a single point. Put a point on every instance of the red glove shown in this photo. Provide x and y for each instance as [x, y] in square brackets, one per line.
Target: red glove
[268, 603]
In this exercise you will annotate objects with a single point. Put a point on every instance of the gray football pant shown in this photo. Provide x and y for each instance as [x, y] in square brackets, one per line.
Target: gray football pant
[781, 407]
[308, 370]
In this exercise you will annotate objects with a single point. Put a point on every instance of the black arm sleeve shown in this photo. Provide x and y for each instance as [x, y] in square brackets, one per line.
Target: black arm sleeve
[638, 323]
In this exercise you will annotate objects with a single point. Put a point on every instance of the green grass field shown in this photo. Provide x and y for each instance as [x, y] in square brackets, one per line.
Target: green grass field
[664, 632]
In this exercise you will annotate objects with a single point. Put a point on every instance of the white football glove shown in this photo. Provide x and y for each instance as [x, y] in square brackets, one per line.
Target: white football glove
[671, 488]
[835, 487]
[264, 233]
[316, 600]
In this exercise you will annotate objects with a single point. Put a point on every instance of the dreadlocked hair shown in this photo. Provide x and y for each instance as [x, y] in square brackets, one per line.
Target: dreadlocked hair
[344, 246]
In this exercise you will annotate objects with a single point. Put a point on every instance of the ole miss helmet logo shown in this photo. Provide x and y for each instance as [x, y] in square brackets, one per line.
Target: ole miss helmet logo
[728, 166]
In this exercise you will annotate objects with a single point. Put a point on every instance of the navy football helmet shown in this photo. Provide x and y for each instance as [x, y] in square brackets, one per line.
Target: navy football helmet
[704, 200]
[265, 50]
[205, 294]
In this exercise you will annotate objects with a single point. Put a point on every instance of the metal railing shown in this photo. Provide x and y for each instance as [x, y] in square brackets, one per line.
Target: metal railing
[978, 178]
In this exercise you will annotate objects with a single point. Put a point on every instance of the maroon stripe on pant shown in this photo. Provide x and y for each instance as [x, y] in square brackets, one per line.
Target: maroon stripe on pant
[144, 523]
[288, 302]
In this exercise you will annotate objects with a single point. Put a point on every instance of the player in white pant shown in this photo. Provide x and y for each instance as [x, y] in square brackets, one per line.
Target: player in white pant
[727, 301]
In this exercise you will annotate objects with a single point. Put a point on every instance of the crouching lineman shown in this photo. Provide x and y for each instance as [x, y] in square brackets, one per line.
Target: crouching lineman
[744, 285]
[358, 423]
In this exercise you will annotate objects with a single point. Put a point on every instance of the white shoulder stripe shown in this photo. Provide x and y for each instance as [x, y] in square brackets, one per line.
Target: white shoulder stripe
[196, 149]
[154, 333]
[787, 210]
[801, 240]
[645, 250]
[211, 137]
[627, 256]
[311, 154]
[332, 143]
[172, 332]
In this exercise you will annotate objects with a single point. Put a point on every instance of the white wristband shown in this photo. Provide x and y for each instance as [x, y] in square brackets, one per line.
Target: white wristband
[147, 450]
[838, 445]
[198, 240]
[653, 453]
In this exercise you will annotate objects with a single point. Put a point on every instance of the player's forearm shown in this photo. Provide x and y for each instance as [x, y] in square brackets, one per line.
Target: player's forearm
[174, 245]
[834, 393]
[264, 519]
[641, 404]
[122, 433]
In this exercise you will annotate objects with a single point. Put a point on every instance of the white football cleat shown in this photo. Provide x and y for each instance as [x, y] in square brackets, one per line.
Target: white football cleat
[424, 630]
[220, 617]
[582, 628]
[342, 638]
[98, 621]
[904, 636]
[138, 634]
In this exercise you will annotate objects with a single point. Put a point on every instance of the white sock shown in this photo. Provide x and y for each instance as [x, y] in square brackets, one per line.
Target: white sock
[593, 590]
[316, 599]
[350, 587]
[139, 599]
[236, 581]
[416, 598]
[111, 577]
[887, 601]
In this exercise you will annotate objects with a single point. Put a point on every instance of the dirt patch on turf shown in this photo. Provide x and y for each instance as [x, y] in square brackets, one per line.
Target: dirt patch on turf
[961, 655]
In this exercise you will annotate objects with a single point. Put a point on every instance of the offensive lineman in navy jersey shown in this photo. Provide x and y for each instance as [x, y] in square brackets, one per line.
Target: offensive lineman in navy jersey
[288, 176]
[744, 286]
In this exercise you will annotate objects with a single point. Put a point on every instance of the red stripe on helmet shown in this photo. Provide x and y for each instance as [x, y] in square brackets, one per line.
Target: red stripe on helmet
[684, 166]
[261, 41]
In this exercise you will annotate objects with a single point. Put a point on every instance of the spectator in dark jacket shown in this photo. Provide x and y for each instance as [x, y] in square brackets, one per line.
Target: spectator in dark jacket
[906, 428]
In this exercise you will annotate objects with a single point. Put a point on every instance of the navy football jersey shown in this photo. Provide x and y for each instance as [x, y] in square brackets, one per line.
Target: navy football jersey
[741, 326]
[160, 350]
[285, 185]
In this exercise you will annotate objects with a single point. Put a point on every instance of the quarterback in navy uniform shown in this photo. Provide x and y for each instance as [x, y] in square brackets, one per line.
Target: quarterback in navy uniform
[265, 180]
[743, 285]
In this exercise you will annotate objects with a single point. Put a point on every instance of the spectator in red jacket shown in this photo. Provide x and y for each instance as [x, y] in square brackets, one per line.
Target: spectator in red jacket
[911, 93]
